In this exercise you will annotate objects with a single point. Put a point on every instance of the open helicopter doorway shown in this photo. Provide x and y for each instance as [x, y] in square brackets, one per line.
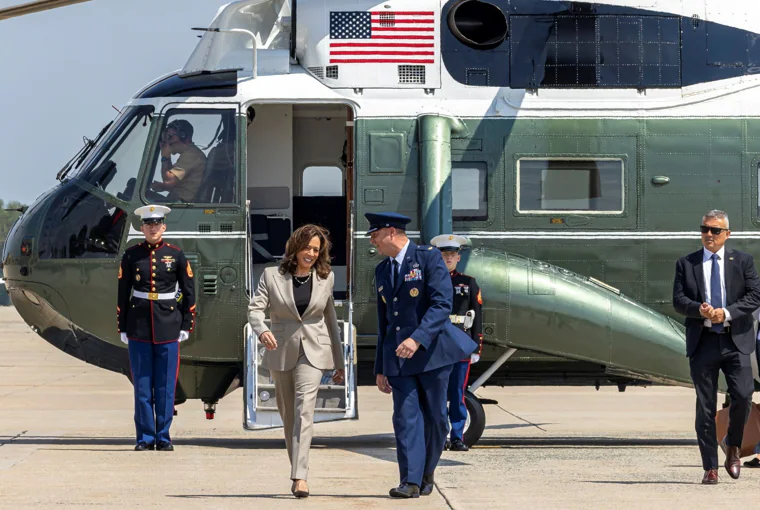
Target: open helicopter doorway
[299, 160]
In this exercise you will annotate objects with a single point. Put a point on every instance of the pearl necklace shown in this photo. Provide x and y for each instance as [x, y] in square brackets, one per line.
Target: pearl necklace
[296, 278]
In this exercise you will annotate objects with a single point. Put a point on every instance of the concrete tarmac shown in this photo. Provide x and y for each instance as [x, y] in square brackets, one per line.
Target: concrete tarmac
[66, 438]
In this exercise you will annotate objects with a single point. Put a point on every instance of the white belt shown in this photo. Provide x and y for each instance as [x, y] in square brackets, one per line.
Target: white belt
[457, 319]
[154, 296]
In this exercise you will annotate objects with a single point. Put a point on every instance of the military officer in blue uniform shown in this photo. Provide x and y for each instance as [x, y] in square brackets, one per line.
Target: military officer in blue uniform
[466, 314]
[156, 311]
[417, 347]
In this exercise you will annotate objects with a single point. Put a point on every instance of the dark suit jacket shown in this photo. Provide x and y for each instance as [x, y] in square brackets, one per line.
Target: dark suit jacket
[418, 307]
[742, 297]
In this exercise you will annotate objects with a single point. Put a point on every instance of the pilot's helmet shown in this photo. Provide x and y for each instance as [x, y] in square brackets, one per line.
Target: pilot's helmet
[183, 128]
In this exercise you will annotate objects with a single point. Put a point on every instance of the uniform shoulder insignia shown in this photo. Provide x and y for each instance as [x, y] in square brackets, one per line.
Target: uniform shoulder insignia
[480, 297]
[424, 248]
[173, 247]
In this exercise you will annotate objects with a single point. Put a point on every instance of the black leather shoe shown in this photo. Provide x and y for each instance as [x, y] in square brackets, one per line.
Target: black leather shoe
[165, 447]
[447, 445]
[458, 446]
[428, 484]
[405, 490]
[754, 463]
[141, 447]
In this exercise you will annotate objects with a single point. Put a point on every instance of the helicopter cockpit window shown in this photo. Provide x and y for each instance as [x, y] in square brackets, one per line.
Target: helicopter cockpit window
[196, 158]
[114, 167]
[570, 185]
[80, 225]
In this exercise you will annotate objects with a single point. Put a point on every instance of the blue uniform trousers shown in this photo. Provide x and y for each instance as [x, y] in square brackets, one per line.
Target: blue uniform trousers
[457, 408]
[154, 377]
[420, 421]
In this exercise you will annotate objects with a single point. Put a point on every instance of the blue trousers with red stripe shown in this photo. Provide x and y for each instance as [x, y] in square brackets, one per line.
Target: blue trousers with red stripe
[455, 394]
[154, 377]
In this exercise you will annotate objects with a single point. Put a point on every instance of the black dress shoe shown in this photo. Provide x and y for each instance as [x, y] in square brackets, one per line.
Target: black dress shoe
[458, 446]
[428, 484]
[141, 447]
[165, 447]
[447, 445]
[754, 463]
[405, 490]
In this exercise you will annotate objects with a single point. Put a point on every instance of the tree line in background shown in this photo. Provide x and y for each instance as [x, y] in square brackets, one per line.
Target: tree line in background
[8, 217]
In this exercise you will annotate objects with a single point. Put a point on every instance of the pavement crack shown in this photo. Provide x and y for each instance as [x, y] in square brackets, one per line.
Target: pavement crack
[13, 438]
[438, 488]
[521, 418]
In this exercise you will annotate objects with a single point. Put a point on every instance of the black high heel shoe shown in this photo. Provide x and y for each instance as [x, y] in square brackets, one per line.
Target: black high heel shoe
[299, 493]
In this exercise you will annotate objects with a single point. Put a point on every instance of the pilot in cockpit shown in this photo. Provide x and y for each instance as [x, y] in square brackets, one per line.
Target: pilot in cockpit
[182, 178]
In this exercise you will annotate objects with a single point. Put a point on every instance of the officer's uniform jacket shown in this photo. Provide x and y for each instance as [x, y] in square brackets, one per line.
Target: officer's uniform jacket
[159, 269]
[467, 297]
[417, 307]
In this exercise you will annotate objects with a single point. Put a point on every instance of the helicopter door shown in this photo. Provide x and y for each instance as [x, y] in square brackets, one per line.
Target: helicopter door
[334, 401]
[304, 142]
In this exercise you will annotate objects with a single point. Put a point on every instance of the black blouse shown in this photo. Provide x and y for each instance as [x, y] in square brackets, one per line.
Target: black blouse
[302, 294]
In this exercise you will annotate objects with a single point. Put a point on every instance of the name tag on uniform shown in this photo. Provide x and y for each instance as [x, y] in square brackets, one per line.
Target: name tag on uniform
[413, 276]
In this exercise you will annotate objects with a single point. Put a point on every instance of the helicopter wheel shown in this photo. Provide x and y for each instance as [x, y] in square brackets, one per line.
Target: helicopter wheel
[476, 419]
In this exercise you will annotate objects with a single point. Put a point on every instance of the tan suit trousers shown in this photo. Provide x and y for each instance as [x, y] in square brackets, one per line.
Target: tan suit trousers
[296, 392]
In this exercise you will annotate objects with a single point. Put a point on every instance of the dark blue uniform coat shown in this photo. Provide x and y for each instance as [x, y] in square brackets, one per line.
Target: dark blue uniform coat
[418, 307]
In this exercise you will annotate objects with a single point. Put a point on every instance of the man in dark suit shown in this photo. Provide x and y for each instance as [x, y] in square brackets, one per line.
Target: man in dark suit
[717, 289]
[417, 347]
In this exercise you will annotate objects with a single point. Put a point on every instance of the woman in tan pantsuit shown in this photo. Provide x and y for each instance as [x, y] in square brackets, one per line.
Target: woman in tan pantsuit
[303, 340]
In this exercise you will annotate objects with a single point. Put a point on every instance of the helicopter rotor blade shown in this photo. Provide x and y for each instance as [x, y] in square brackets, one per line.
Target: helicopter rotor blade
[35, 6]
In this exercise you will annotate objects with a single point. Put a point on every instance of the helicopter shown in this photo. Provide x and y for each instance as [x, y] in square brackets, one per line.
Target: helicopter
[575, 144]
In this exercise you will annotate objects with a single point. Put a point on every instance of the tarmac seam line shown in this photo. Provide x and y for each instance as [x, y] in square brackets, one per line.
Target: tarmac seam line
[521, 418]
[13, 438]
[438, 488]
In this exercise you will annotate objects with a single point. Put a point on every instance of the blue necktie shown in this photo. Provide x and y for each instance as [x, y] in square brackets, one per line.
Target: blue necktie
[716, 298]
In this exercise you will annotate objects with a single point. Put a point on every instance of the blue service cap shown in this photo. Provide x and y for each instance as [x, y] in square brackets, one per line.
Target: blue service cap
[383, 220]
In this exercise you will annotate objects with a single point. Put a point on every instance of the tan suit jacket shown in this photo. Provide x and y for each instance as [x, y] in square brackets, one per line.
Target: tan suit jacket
[317, 330]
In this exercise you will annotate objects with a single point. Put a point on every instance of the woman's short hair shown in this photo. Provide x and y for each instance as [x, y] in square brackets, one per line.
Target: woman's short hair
[299, 240]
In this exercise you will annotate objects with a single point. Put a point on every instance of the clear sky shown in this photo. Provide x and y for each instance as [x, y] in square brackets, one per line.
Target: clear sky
[61, 71]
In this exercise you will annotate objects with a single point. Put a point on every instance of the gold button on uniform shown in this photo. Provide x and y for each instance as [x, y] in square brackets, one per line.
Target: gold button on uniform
[154, 274]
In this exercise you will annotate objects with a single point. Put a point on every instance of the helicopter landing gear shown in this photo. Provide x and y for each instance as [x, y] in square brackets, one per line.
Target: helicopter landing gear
[476, 415]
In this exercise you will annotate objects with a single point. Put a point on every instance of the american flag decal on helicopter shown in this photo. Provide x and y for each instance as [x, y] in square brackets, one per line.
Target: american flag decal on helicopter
[387, 37]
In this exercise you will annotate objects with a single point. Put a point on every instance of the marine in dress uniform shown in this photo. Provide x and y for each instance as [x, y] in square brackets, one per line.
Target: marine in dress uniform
[156, 310]
[466, 314]
[417, 347]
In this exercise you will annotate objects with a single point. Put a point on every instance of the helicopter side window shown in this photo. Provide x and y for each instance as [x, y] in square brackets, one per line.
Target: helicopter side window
[570, 185]
[469, 184]
[115, 166]
[196, 158]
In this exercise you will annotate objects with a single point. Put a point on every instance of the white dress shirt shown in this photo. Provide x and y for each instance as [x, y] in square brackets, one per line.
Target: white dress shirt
[707, 269]
[400, 259]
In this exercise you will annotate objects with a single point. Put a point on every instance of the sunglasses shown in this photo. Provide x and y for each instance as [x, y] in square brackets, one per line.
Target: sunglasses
[713, 230]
